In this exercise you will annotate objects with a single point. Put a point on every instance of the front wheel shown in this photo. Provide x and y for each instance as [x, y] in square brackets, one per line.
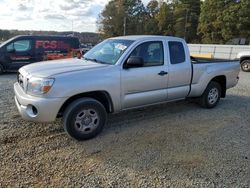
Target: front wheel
[245, 65]
[211, 95]
[84, 118]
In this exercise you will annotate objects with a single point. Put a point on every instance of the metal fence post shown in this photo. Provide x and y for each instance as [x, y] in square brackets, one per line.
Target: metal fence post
[230, 55]
[214, 50]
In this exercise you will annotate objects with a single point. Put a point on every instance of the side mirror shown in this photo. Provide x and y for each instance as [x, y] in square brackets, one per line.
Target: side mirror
[134, 62]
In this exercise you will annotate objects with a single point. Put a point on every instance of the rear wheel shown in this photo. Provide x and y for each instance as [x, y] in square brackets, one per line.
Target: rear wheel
[245, 65]
[84, 118]
[211, 95]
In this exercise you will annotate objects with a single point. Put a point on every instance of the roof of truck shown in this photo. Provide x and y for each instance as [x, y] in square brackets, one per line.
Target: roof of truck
[143, 37]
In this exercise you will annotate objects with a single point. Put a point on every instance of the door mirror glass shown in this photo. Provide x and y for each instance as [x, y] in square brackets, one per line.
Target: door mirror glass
[134, 62]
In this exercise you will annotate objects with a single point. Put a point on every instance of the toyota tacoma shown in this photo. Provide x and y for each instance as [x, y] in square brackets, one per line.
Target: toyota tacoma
[119, 74]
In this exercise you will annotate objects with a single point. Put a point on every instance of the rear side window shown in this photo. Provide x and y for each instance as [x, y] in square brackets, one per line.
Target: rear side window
[177, 52]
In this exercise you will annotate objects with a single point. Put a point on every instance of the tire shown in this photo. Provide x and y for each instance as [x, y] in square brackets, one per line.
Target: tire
[245, 65]
[211, 95]
[1, 69]
[84, 118]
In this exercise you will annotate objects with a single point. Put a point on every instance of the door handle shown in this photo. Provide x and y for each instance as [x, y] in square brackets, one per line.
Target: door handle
[162, 73]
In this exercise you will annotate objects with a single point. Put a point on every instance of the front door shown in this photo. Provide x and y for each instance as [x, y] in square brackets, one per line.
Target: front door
[147, 84]
[19, 53]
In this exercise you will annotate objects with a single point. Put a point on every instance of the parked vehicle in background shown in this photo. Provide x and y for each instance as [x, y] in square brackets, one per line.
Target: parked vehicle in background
[86, 47]
[116, 75]
[238, 41]
[23, 50]
[244, 58]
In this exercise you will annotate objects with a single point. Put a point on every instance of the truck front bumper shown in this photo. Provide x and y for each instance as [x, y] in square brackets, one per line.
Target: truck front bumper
[37, 109]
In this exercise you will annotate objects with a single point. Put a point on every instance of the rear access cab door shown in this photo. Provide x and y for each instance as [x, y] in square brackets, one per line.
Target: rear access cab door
[146, 84]
[180, 69]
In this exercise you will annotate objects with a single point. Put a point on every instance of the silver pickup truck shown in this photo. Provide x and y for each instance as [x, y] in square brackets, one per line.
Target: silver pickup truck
[119, 74]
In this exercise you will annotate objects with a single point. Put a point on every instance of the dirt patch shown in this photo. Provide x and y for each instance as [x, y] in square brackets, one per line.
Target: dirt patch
[171, 145]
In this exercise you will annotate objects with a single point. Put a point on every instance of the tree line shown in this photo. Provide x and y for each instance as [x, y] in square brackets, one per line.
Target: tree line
[84, 37]
[208, 21]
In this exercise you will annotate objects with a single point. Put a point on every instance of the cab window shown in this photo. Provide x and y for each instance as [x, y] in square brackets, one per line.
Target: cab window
[177, 52]
[150, 52]
[20, 46]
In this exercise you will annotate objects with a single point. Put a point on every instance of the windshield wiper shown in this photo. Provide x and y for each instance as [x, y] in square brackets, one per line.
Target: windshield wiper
[95, 60]
[89, 59]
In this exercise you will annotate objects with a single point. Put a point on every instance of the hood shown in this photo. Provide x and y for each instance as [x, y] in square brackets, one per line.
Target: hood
[51, 68]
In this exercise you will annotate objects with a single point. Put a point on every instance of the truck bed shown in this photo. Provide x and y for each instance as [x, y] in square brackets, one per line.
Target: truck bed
[205, 69]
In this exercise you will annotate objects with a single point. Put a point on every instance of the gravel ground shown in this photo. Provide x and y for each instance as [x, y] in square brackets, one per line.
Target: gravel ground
[171, 145]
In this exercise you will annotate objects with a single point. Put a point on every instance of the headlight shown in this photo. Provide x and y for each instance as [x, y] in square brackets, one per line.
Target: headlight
[38, 86]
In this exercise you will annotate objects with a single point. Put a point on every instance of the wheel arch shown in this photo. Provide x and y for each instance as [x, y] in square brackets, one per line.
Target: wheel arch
[244, 58]
[222, 80]
[102, 96]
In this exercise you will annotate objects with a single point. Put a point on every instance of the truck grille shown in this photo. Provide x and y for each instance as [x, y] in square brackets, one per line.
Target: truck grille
[20, 80]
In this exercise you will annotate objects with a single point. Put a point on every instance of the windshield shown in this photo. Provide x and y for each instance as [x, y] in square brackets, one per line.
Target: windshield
[108, 51]
[2, 44]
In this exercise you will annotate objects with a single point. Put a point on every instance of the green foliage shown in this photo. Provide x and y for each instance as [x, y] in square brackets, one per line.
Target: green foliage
[186, 14]
[209, 21]
[116, 13]
[178, 17]
[165, 19]
[244, 19]
[206, 21]
[151, 24]
[110, 20]
[221, 21]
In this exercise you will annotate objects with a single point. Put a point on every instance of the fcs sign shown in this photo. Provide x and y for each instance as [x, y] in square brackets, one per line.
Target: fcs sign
[52, 44]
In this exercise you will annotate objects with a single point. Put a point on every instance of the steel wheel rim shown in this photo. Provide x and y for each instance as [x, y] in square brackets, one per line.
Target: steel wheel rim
[213, 96]
[246, 66]
[86, 121]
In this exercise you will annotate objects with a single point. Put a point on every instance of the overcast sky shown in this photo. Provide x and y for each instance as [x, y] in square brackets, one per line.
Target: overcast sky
[55, 15]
